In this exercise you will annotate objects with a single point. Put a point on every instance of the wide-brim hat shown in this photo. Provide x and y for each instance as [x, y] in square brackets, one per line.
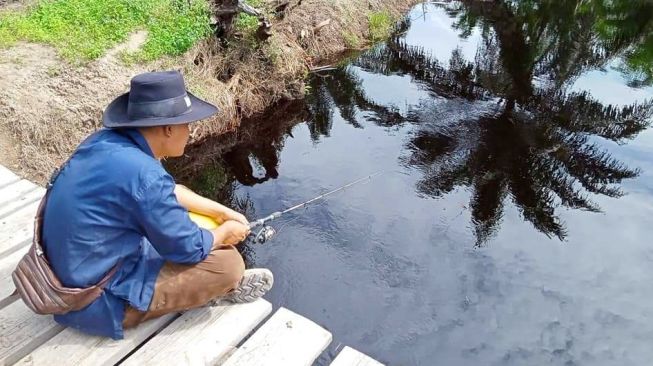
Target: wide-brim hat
[156, 99]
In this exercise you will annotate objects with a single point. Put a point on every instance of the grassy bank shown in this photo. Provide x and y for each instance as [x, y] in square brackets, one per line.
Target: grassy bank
[58, 84]
[83, 30]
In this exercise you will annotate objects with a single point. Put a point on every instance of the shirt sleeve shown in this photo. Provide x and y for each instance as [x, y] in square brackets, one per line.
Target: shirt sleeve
[166, 223]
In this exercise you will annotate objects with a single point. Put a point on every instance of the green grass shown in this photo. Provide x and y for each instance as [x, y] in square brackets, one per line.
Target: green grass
[84, 30]
[381, 24]
[351, 40]
[248, 24]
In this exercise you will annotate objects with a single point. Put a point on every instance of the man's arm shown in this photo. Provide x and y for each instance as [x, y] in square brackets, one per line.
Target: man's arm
[166, 224]
[195, 203]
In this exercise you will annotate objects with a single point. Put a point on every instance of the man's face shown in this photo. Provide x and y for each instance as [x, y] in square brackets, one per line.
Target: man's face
[177, 139]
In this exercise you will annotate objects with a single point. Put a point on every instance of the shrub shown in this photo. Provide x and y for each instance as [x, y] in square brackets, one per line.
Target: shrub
[381, 24]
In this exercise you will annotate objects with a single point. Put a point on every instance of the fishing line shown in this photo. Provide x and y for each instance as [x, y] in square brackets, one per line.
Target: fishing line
[266, 232]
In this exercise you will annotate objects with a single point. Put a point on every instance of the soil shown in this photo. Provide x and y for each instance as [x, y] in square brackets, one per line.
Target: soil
[47, 106]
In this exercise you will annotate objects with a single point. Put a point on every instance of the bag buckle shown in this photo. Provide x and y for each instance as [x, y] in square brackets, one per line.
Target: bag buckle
[53, 177]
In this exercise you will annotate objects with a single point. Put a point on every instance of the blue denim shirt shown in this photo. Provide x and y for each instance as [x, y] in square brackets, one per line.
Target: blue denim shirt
[113, 203]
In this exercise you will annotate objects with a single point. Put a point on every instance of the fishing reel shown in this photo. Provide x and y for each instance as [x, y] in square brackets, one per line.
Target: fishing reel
[263, 235]
[266, 232]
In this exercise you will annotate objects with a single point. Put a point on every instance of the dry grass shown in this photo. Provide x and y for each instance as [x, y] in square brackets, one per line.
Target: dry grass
[244, 81]
[348, 19]
[241, 81]
[49, 106]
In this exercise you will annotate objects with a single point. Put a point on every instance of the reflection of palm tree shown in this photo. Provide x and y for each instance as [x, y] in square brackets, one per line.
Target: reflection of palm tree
[500, 154]
[628, 25]
[342, 89]
[492, 128]
[531, 147]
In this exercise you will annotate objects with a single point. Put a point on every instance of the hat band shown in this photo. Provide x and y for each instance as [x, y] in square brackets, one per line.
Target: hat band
[172, 107]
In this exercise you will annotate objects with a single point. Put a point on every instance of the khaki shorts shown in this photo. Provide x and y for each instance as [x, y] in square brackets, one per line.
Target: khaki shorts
[181, 287]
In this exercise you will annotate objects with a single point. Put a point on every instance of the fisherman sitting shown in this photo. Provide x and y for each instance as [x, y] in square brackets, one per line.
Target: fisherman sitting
[112, 205]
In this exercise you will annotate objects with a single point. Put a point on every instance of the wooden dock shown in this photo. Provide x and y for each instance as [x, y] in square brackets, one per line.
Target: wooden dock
[207, 336]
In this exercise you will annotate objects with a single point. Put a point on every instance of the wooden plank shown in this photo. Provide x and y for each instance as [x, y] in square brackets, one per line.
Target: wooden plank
[71, 347]
[23, 194]
[201, 336]
[286, 339]
[16, 229]
[7, 266]
[22, 331]
[7, 177]
[15, 191]
[350, 357]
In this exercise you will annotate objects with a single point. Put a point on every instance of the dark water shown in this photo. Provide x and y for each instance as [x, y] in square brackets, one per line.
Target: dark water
[513, 220]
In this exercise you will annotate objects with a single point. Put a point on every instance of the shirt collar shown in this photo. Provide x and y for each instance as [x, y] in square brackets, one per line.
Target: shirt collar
[136, 136]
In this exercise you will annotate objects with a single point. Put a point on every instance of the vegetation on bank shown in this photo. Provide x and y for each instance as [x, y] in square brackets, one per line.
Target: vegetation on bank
[381, 25]
[244, 73]
[83, 30]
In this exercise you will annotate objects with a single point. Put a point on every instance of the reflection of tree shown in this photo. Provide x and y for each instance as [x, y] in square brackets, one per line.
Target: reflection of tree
[627, 24]
[240, 160]
[559, 39]
[492, 127]
[537, 164]
[213, 167]
[519, 141]
[342, 89]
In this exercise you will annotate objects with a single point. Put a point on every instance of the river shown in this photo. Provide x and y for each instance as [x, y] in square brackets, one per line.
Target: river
[510, 222]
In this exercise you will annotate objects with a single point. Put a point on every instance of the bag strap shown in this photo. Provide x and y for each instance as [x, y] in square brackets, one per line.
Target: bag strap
[39, 216]
[57, 171]
[48, 186]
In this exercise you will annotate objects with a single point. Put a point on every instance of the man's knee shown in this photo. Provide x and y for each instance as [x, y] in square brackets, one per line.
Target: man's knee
[237, 266]
[232, 265]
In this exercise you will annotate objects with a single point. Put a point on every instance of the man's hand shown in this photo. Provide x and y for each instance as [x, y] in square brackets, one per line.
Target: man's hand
[230, 232]
[229, 214]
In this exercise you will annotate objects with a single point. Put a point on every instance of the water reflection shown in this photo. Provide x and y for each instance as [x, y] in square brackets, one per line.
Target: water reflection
[505, 123]
[479, 146]
[527, 138]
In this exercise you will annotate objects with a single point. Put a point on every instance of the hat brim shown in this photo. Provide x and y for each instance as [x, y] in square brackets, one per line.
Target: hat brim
[115, 116]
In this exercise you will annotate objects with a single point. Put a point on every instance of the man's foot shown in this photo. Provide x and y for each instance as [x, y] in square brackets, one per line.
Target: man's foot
[255, 283]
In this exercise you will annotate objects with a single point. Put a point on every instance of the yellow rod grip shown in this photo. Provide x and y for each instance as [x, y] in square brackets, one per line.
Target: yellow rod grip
[202, 221]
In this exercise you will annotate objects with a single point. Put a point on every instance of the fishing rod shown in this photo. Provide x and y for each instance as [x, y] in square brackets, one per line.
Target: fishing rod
[267, 232]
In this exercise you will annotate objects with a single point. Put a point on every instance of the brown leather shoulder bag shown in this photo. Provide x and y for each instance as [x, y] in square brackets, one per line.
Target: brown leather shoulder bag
[38, 285]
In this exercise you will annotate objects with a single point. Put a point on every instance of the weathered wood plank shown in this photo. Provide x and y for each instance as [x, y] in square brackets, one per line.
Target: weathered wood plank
[286, 339]
[7, 177]
[23, 194]
[7, 265]
[350, 357]
[22, 331]
[16, 229]
[201, 336]
[15, 191]
[71, 347]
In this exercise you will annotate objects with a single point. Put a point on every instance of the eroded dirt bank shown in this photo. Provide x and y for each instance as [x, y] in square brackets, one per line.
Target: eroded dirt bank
[47, 106]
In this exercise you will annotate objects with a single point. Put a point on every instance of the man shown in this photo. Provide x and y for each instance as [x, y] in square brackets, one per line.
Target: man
[113, 205]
